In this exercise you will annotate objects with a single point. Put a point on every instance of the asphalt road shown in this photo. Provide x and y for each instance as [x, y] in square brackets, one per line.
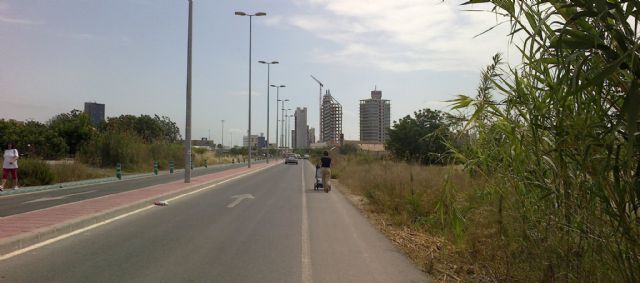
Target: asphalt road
[20, 203]
[286, 233]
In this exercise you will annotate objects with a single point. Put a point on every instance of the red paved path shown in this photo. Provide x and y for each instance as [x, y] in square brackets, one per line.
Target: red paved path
[38, 222]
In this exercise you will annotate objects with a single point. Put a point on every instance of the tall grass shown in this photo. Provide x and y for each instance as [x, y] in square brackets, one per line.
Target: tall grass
[76, 171]
[556, 139]
[410, 194]
[107, 149]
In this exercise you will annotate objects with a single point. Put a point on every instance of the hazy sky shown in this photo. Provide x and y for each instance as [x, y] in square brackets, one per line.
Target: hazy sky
[131, 55]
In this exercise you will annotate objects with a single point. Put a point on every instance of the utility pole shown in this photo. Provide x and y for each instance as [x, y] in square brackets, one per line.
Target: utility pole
[250, 30]
[222, 133]
[187, 128]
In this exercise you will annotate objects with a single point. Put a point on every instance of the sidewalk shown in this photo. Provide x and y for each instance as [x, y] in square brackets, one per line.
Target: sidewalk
[22, 230]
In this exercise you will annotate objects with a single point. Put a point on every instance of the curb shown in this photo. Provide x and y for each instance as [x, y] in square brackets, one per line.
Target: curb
[16, 243]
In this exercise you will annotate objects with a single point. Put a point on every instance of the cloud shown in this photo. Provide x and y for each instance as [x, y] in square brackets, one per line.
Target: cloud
[272, 21]
[4, 8]
[81, 36]
[17, 21]
[402, 35]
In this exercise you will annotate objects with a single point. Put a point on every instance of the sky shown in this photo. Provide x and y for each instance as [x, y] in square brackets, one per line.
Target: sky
[131, 55]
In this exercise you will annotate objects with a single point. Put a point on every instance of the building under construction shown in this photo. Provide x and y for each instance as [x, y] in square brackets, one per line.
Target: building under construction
[330, 120]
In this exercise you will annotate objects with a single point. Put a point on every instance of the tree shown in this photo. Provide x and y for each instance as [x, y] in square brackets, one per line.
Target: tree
[422, 138]
[36, 139]
[74, 127]
[150, 129]
[170, 131]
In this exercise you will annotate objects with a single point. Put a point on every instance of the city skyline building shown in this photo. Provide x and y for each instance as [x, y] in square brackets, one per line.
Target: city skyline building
[312, 135]
[95, 111]
[375, 118]
[331, 120]
[301, 128]
[257, 141]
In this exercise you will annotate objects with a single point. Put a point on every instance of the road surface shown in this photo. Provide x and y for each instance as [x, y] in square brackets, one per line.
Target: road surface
[270, 226]
[20, 203]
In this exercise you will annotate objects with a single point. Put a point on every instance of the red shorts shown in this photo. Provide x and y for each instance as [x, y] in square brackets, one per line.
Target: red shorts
[10, 171]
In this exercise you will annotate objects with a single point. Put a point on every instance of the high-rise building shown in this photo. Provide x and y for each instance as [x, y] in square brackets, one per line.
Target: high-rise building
[301, 138]
[95, 112]
[312, 135]
[375, 118]
[331, 120]
[256, 141]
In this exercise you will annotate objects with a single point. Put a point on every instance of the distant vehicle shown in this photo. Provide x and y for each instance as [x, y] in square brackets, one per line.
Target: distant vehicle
[297, 156]
[306, 156]
[291, 159]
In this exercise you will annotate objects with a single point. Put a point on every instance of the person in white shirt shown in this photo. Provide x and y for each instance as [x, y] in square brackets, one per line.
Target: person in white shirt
[10, 165]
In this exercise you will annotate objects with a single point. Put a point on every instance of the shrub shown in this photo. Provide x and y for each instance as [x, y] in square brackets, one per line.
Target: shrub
[34, 172]
[107, 149]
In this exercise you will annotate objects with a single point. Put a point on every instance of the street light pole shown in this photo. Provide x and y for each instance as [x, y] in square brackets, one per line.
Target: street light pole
[282, 122]
[187, 128]
[222, 133]
[249, 130]
[268, 99]
[277, 120]
[289, 129]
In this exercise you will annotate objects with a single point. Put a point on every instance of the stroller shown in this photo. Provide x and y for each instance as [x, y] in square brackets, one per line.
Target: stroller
[318, 184]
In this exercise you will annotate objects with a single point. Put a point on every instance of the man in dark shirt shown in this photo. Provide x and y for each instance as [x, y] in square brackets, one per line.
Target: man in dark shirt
[325, 164]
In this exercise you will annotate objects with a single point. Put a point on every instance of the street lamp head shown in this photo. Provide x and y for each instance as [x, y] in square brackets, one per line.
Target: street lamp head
[262, 62]
[275, 62]
[274, 86]
[238, 13]
[260, 14]
[283, 86]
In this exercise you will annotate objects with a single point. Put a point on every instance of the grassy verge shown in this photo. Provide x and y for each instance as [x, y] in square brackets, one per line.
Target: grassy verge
[69, 172]
[35, 172]
[425, 210]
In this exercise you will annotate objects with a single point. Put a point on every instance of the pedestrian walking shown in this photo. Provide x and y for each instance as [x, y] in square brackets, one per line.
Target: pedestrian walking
[10, 165]
[325, 167]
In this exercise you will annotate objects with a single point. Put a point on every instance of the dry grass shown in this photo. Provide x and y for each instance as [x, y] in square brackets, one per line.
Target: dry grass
[435, 214]
[213, 158]
[75, 171]
[432, 253]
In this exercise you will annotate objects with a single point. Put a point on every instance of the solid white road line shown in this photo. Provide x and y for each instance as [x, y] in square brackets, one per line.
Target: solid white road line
[62, 237]
[306, 246]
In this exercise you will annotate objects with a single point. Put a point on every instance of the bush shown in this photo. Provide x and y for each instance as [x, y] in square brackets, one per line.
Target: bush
[106, 150]
[348, 148]
[34, 172]
[75, 171]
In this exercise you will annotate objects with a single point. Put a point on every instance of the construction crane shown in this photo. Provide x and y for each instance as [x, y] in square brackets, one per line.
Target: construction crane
[319, 109]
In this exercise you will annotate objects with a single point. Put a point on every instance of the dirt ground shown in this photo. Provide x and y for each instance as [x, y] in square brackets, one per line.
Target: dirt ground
[432, 254]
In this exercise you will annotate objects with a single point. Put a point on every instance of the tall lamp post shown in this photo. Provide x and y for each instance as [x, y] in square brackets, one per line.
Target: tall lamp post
[258, 14]
[282, 122]
[222, 133]
[277, 120]
[187, 128]
[289, 129]
[268, 100]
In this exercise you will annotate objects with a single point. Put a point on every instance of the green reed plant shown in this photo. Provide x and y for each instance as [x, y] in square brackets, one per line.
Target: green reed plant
[556, 138]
